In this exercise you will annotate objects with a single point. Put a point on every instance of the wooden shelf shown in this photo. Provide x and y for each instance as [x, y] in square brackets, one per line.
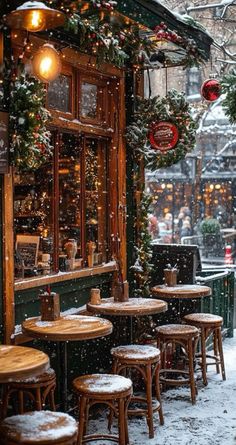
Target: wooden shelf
[30, 283]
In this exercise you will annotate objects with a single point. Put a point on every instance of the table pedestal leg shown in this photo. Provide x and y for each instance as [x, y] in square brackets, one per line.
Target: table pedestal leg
[63, 375]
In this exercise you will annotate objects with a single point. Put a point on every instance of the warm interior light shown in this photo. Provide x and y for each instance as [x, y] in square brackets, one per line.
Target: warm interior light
[34, 21]
[46, 63]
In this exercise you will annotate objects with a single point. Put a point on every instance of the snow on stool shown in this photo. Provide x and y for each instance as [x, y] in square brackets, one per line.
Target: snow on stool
[39, 428]
[146, 360]
[112, 390]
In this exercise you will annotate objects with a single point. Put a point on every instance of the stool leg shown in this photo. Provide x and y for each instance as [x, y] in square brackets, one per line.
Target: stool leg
[220, 346]
[52, 400]
[191, 370]
[5, 401]
[82, 418]
[38, 404]
[149, 400]
[111, 413]
[203, 355]
[126, 421]
[121, 426]
[21, 401]
[216, 351]
[158, 394]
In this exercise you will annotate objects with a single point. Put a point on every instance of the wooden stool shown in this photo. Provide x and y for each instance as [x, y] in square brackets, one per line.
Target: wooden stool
[187, 337]
[146, 360]
[37, 388]
[39, 428]
[112, 390]
[209, 324]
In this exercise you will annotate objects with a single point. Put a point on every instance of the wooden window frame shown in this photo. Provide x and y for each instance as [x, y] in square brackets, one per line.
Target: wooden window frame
[102, 100]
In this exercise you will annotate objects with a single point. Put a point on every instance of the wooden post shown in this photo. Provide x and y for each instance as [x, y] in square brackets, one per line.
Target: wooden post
[8, 259]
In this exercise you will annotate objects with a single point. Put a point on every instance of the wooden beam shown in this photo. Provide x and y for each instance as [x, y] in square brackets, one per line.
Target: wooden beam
[8, 259]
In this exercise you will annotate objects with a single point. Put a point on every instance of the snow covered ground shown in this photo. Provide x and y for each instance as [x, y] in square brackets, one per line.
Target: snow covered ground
[212, 421]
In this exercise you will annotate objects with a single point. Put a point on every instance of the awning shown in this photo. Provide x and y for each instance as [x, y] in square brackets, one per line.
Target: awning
[151, 13]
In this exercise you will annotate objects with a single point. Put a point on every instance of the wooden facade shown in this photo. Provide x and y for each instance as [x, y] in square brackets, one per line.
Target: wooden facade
[115, 92]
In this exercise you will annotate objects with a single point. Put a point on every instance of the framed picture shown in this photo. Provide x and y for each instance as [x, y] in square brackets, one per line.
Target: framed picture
[27, 247]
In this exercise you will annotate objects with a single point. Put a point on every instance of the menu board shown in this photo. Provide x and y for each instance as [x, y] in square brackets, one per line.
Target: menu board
[4, 117]
[27, 250]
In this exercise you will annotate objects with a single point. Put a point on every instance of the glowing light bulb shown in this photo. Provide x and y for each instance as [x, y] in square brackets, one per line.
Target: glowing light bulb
[34, 21]
[46, 63]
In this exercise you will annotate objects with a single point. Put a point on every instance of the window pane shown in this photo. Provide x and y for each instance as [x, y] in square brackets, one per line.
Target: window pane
[70, 199]
[88, 101]
[96, 200]
[59, 94]
[33, 217]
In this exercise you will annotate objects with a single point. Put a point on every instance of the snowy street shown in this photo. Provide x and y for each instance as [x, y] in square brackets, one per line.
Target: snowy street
[212, 421]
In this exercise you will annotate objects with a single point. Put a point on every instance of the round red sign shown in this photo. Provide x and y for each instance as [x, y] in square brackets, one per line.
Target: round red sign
[163, 136]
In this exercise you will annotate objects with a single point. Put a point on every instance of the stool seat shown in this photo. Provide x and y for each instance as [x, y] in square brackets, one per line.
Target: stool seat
[41, 378]
[177, 330]
[102, 384]
[213, 320]
[141, 353]
[39, 428]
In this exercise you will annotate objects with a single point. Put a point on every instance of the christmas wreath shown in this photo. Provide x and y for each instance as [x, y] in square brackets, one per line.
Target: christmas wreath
[172, 110]
[30, 140]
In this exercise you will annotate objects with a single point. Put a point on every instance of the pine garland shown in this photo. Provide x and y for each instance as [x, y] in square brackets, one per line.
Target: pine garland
[173, 108]
[228, 85]
[30, 140]
[142, 267]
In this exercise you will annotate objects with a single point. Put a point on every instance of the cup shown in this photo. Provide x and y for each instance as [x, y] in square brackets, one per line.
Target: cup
[95, 296]
[170, 276]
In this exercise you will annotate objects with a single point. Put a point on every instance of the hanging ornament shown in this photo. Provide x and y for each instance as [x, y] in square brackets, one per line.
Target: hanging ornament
[211, 90]
[163, 136]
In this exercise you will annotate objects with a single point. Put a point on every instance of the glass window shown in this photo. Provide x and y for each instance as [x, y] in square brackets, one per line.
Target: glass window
[96, 200]
[59, 94]
[193, 85]
[69, 196]
[88, 100]
[33, 218]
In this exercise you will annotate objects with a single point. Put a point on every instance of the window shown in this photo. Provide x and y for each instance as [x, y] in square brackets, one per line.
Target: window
[59, 94]
[65, 200]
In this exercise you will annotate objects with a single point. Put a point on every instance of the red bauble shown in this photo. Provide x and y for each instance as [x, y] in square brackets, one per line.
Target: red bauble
[163, 136]
[211, 90]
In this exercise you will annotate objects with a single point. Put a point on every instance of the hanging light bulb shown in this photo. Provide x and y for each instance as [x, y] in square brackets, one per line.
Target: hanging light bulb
[35, 16]
[46, 63]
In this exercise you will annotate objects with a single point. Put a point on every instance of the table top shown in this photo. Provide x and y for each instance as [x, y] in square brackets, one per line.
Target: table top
[19, 362]
[134, 306]
[184, 291]
[68, 327]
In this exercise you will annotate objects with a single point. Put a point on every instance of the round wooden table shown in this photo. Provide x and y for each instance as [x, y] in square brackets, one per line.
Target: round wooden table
[181, 292]
[19, 362]
[134, 307]
[67, 328]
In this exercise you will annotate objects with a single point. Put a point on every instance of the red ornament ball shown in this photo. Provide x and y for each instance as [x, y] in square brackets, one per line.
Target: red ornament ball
[211, 90]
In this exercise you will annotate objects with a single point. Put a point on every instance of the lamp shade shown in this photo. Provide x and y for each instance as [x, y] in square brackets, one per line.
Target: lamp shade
[46, 63]
[35, 16]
